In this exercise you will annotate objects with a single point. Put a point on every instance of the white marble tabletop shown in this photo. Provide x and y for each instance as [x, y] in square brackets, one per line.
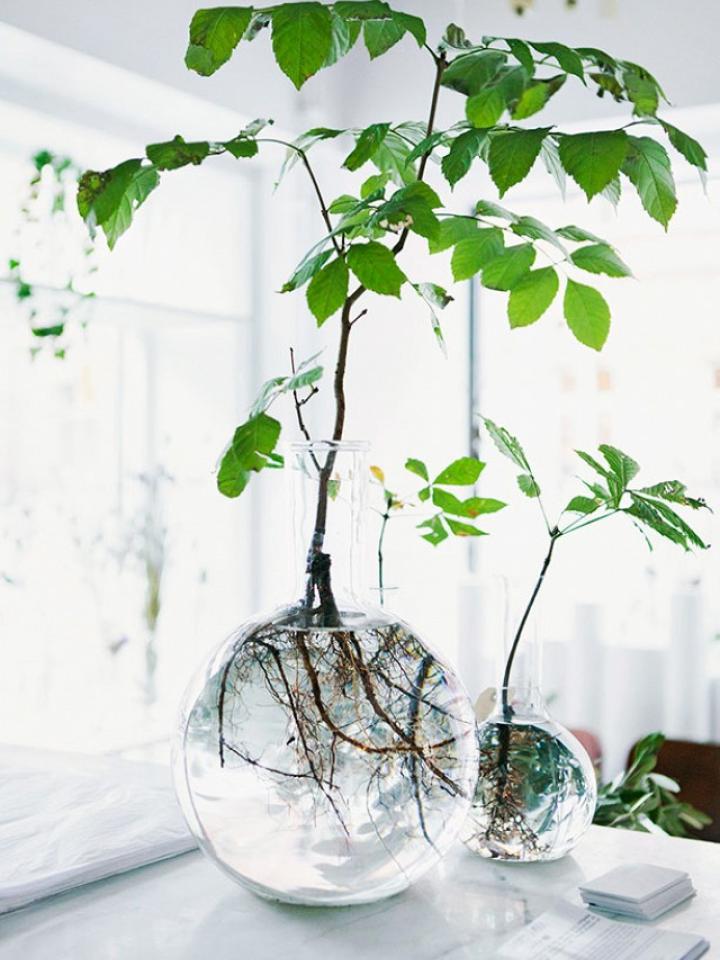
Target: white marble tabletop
[185, 908]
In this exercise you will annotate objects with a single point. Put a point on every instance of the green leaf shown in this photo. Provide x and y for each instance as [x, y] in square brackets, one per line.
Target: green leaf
[381, 35]
[687, 147]
[241, 147]
[452, 230]
[623, 466]
[512, 155]
[437, 531]
[214, 34]
[486, 208]
[461, 472]
[674, 492]
[507, 270]
[110, 199]
[600, 258]
[426, 145]
[528, 485]
[250, 450]
[344, 35]
[594, 159]
[578, 234]
[567, 58]
[471, 508]
[366, 145]
[507, 444]
[305, 375]
[648, 169]
[536, 230]
[485, 108]
[650, 517]
[613, 191]
[413, 25]
[476, 251]
[591, 462]
[532, 100]
[434, 296]
[417, 467]
[522, 53]
[691, 538]
[584, 505]
[307, 269]
[176, 153]
[375, 182]
[470, 72]
[587, 314]
[550, 156]
[642, 92]
[362, 9]
[463, 529]
[392, 156]
[531, 297]
[413, 206]
[301, 39]
[375, 267]
[327, 290]
[463, 150]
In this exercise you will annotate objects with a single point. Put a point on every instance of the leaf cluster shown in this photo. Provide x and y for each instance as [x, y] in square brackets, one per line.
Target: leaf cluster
[449, 513]
[640, 799]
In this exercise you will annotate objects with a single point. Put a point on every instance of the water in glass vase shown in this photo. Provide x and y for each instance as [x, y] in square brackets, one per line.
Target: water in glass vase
[536, 789]
[326, 755]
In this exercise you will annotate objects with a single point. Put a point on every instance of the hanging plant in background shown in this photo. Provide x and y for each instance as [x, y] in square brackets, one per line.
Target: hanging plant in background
[371, 742]
[47, 215]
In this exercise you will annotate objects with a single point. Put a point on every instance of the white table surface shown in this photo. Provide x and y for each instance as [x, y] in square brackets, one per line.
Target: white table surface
[185, 908]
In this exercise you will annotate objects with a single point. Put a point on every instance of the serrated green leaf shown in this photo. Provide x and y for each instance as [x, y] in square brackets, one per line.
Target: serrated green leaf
[437, 531]
[648, 168]
[532, 100]
[510, 268]
[531, 297]
[413, 25]
[176, 153]
[110, 199]
[381, 35]
[687, 147]
[366, 145]
[642, 92]
[485, 108]
[461, 472]
[343, 37]
[486, 208]
[584, 505]
[587, 314]
[463, 529]
[249, 451]
[550, 156]
[452, 230]
[593, 159]
[669, 515]
[470, 72]
[417, 467]
[536, 230]
[528, 485]
[327, 290]
[463, 150]
[362, 9]
[474, 252]
[241, 147]
[674, 492]
[392, 157]
[471, 508]
[566, 57]
[307, 269]
[214, 34]
[578, 234]
[522, 53]
[592, 462]
[301, 39]
[507, 444]
[376, 268]
[600, 258]
[623, 466]
[512, 155]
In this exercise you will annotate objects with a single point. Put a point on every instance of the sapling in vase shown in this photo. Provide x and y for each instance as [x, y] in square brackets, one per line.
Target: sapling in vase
[536, 789]
[326, 755]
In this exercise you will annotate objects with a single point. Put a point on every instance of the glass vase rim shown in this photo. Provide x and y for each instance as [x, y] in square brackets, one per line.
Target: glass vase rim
[341, 446]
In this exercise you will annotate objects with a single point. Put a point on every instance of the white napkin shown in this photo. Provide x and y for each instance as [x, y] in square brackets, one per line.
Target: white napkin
[67, 820]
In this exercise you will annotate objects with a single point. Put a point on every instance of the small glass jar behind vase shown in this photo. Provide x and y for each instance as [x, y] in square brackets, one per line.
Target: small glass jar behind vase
[536, 789]
[326, 756]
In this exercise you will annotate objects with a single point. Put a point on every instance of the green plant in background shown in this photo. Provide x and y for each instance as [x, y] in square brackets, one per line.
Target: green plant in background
[499, 84]
[640, 799]
[48, 201]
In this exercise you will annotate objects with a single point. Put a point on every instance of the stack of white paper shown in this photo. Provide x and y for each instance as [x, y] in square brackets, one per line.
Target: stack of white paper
[568, 932]
[638, 890]
[69, 820]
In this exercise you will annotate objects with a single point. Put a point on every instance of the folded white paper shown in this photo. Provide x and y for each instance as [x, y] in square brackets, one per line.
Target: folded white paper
[69, 820]
[568, 932]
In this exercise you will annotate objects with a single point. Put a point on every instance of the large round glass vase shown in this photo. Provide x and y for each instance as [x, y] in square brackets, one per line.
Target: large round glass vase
[536, 789]
[326, 756]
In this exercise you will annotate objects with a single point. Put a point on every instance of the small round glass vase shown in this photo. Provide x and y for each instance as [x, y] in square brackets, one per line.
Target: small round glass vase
[536, 789]
[326, 756]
